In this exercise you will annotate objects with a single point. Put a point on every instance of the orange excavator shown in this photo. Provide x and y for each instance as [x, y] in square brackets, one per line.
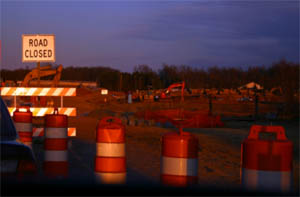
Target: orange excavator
[166, 94]
[44, 71]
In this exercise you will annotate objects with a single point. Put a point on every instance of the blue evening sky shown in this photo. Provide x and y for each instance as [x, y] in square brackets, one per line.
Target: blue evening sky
[123, 34]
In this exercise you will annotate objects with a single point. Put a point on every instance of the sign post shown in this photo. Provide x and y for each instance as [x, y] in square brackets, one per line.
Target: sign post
[38, 48]
[38, 68]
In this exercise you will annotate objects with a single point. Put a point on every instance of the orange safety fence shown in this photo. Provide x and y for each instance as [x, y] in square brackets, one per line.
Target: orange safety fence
[192, 119]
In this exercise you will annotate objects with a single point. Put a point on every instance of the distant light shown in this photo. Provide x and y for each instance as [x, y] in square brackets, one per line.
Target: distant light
[104, 92]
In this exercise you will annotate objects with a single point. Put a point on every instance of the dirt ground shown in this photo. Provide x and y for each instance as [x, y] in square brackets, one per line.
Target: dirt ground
[219, 148]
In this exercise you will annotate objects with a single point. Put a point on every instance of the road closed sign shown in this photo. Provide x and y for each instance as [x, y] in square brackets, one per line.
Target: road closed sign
[38, 48]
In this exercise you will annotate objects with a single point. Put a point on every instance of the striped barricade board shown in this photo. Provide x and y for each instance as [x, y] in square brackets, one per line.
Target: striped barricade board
[38, 91]
[42, 111]
[37, 132]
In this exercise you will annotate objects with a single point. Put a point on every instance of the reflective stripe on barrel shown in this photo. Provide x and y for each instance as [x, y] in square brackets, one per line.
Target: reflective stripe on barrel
[60, 133]
[56, 145]
[267, 180]
[25, 132]
[179, 162]
[110, 149]
[24, 127]
[40, 132]
[179, 166]
[110, 160]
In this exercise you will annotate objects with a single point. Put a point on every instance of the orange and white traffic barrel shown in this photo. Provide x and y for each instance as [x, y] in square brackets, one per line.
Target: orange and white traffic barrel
[56, 145]
[23, 122]
[110, 160]
[267, 164]
[179, 161]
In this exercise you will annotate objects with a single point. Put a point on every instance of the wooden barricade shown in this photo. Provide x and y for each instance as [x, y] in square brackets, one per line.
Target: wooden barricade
[41, 91]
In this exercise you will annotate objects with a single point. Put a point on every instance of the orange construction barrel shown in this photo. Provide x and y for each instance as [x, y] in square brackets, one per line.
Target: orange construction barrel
[110, 160]
[267, 164]
[56, 145]
[179, 161]
[23, 122]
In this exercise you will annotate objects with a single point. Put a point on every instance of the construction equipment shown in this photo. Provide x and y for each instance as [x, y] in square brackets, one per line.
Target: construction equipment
[44, 71]
[166, 94]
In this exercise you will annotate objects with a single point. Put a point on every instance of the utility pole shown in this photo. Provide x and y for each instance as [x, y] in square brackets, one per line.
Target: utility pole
[38, 73]
[256, 106]
[210, 104]
[39, 77]
[121, 81]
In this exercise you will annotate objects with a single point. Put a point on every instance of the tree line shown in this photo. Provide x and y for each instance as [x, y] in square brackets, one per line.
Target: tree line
[280, 74]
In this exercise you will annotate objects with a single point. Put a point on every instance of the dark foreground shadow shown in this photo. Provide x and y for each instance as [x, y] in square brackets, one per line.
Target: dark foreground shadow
[133, 187]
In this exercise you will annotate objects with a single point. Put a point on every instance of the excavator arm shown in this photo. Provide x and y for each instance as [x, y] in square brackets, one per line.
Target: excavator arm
[175, 85]
[44, 71]
[57, 76]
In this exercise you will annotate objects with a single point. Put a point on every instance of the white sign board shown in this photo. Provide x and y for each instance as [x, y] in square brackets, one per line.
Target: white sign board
[38, 48]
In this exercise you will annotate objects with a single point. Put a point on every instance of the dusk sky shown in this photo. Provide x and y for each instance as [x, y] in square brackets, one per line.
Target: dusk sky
[123, 34]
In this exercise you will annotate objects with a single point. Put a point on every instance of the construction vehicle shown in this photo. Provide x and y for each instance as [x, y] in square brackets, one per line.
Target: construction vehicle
[44, 71]
[166, 93]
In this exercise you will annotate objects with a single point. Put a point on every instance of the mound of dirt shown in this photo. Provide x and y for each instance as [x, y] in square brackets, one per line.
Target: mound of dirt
[83, 91]
[98, 113]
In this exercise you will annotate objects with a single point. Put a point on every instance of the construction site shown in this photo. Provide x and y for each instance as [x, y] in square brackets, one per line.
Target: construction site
[149, 98]
[220, 121]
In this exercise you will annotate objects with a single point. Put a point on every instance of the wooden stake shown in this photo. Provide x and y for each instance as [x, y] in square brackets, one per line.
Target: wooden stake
[38, 70]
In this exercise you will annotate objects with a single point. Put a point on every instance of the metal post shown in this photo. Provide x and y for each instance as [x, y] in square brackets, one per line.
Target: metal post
[210, 104]
[38, 83]
[38, 72]
[121, 82]
[61, 101]
[256, 107]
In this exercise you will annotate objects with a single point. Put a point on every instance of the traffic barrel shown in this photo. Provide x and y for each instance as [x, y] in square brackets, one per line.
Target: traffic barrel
[179, 161]
[23, 122]
[56, 145]
[110, 160]
[266, 165]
